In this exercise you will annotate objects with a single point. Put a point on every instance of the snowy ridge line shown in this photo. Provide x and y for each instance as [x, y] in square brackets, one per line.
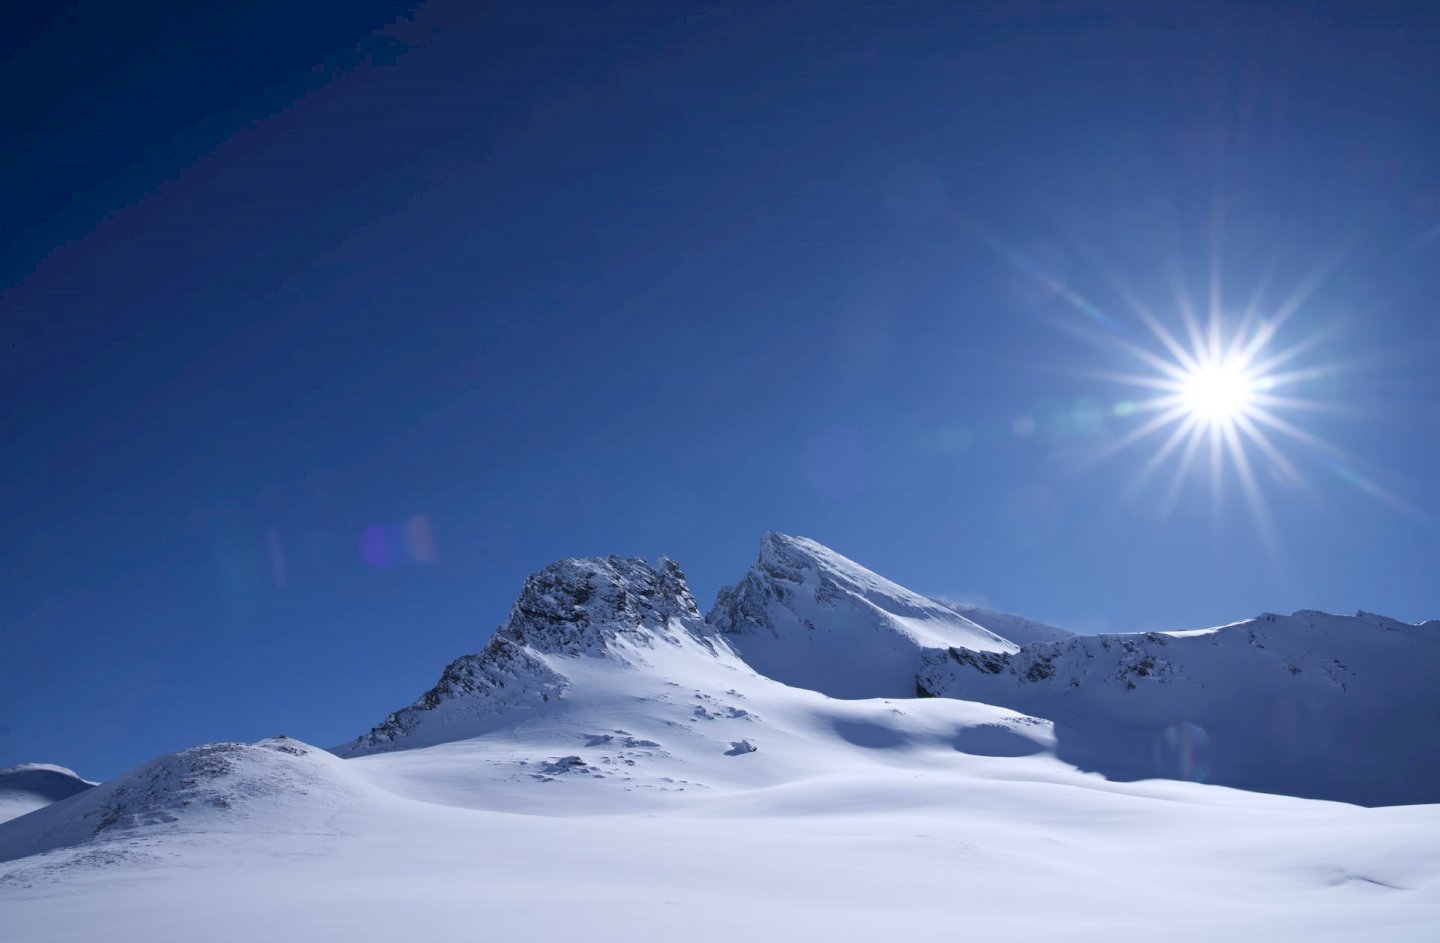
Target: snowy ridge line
[1310, 704]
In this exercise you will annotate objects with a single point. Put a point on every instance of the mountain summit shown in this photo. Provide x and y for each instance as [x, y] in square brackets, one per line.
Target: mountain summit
[595, 608]
[809, 617]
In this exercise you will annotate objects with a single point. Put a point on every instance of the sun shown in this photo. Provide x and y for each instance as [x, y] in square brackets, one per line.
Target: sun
[1218, 392]
[1228, 391]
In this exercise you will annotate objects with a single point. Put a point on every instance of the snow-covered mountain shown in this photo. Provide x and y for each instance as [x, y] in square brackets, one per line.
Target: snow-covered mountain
[275, 785]
[809, 617]
[711, 777]
[606, 673]
[31, 786]
[580, 616]
[1311, 704]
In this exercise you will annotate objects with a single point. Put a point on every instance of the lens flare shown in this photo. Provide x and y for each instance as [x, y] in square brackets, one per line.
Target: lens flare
[401, 543]
[1184, 751]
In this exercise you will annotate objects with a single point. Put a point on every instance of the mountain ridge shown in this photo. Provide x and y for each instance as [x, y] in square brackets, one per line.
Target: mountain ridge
[1311, 704]
[1124, 704]
[614, 654]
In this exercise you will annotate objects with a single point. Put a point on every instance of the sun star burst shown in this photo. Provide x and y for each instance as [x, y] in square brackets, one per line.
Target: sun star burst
[1219, 392]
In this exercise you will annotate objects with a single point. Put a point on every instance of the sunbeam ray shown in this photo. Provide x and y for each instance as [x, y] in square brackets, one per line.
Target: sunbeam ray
[1176, 439]
[1135, 435]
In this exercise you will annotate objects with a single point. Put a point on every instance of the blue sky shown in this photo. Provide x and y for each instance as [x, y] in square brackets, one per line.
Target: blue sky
[324, 328]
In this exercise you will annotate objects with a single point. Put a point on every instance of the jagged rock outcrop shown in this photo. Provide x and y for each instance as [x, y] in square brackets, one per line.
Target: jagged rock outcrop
[1123, 660]
[591, 607]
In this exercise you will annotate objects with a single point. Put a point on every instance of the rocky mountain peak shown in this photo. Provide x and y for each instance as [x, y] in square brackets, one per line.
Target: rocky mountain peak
[586, 606]
[786, 552]
[797, 572]
[578, 606]
[809, 617]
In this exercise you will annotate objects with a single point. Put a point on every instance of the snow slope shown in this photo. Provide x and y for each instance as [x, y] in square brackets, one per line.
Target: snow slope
[1311, 704]
[901, 838]
[809, 617]
[32, 786]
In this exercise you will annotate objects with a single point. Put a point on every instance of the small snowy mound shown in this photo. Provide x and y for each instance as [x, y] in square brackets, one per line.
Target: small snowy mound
[809, 617]
[1311, 704]
[285, 784]
[31, 786]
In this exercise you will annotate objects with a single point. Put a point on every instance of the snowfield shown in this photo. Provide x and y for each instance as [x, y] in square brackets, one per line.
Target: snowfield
[612, 766]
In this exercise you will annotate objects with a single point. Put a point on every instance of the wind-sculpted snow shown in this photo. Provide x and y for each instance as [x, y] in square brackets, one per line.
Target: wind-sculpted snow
[605, 608]
[811, 618]
[32, 786]
[1309, 704]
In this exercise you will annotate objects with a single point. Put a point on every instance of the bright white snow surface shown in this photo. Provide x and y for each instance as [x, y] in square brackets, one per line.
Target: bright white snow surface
[31, 786]
[609, 769]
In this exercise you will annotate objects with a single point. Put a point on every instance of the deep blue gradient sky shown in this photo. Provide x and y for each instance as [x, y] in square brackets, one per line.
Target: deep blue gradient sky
[556, 280]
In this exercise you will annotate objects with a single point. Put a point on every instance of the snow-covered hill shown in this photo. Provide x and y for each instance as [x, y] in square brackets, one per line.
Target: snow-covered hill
[1311, 704]
[809, 617]
[31, 786]
[272, 786]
